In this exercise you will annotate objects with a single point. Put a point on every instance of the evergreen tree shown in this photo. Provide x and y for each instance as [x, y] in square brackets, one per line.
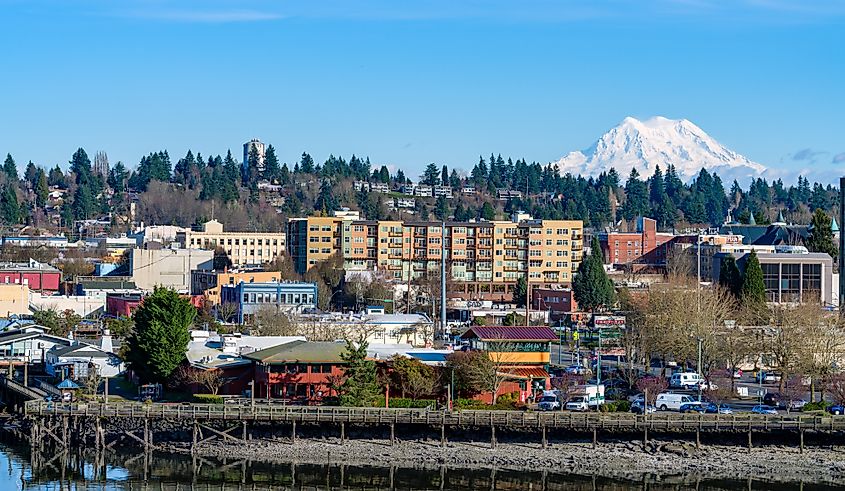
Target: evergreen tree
[729, 276]
[360, 388]
[431, 175]
[42, 190]
[592, 288]
[444, 176]
[284, 175]
[272, 171]
[157, 345]
[520, 291]
[10, 211]
[30, 175]
[306, 164]
[56, 177]
[753, 291]
[820, 238]
[454, 179]
[636, 197]
[10, 168]
[84, 206]
[441, 208]
[80, 166]
[117, 178]
[487, 212]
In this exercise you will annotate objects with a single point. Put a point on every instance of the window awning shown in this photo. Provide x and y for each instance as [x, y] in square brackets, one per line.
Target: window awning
[525, 372]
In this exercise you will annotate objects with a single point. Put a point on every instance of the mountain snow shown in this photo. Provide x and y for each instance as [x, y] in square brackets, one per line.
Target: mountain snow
[659, 141]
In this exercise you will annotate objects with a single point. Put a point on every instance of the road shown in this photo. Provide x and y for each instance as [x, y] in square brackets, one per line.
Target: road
[755, 391]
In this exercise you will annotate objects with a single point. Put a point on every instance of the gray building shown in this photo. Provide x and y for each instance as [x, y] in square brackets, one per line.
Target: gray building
[789, 278]
[259, 147]
[167, 267]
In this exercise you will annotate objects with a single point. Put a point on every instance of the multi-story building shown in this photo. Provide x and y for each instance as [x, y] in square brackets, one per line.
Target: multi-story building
[506, 194]
[443, 191]
[35, 275]
[423, 190]
[243, 248]
[259, 146]
[312, 240]
[790, 277]
[250, 298]
[209, 283]
[379, 187]
[484, 259]
[149, 268]
[641, 249]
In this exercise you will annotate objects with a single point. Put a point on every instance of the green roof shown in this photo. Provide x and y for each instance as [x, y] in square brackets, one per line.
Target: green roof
[300, 352]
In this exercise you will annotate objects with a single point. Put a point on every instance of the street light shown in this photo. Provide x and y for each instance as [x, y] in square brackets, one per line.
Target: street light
[700, 339]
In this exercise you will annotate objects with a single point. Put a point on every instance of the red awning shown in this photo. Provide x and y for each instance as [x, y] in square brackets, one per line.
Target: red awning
[525, 372]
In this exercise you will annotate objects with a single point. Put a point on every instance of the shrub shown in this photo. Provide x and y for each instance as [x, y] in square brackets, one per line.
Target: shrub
[608, 407]
[816, 406]
[208, 399]
[401, 402]
[623, 406]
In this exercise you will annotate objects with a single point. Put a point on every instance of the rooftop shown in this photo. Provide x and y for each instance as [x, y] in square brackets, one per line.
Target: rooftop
[510, 333]
[300, 352]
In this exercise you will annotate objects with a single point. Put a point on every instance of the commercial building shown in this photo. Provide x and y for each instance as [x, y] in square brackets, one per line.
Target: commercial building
[522, 353]
[300, 371]
[59, 241]
[250, 298]
[170, 268]
[789, 277]
[373, 325]
[37, 276]
[556, 301]
[312, 240]
[243, 248]
[643, 248]
[209, 283]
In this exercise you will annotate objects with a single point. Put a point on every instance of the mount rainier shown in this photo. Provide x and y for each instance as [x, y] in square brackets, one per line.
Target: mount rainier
[659, 141]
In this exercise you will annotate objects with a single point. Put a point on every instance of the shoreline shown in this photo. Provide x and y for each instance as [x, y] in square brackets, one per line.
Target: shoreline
[666, 459]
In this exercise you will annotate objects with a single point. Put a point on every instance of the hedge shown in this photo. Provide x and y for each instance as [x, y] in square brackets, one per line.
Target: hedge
[403, 402]
[208, 398]
[816, 406]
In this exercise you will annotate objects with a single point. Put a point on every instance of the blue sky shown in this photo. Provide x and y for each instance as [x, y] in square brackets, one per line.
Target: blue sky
[435, 81]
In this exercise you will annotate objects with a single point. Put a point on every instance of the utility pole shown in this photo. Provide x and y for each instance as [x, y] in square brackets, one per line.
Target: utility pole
[443, 280]
[699, 368]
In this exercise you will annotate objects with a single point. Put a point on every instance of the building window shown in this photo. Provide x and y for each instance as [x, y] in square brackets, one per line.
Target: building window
[771, 272]
[812, 281]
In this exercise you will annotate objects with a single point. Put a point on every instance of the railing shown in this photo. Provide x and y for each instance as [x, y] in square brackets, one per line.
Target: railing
[481, 418]
[20, 388]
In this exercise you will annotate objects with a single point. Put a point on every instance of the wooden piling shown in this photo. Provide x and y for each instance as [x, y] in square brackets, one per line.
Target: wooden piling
[749, 441]
[293, 431]
[801, 440]
[392, 434]
[492, 437]
[342, 432]
[442, 435]
[595, 437]
[545, 441]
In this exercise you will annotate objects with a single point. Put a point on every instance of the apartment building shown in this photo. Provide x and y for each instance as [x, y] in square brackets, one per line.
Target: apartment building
[209, 283]
[640, 249]
[484, 259]
[243, 248]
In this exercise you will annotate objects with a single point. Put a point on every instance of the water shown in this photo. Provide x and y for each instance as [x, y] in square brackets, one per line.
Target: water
[130, 470]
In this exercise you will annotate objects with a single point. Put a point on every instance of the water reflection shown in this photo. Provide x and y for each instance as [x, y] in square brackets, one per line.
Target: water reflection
[83, 470]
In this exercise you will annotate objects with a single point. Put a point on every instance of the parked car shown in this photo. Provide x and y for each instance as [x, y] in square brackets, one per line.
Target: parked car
[767, 377]
[737, 373]
[576, 370]
[794, 405]
[693, 407]
[705, 385]
[718, 409]
[667, 401]
[836, 409]
[772, 398]
[550, 401]
[764, 409]
[639, 408]
[636, 398]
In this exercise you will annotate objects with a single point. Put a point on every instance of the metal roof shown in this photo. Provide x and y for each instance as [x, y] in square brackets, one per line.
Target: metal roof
[300, 352]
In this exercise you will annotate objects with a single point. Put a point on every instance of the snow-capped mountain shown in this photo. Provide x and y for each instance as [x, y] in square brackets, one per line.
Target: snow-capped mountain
[659, 141]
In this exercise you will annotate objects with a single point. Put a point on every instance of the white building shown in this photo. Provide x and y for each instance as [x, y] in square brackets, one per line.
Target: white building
[443, 191]
[77, 360]
[423, 190]
[379, 187]
[372, 325]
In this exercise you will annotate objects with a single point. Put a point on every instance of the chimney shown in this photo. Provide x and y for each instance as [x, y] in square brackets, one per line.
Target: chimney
[105, 342]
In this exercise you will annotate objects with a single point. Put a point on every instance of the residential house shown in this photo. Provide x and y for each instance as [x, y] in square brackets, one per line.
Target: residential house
[300, 371]
[77, 361]
[30, 343]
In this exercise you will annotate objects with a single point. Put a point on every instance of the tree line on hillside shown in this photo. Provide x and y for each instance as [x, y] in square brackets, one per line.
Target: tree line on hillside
[197, 187]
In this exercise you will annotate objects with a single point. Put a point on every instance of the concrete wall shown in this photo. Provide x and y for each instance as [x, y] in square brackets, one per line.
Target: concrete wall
[14, 300]
[80, 305]
[167, 267]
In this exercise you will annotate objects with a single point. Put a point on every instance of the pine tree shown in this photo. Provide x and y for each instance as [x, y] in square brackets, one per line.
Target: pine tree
[30, 175]
[753, 291]
[431, 175]
[592, 288]
[441, 208]
[636, 197]
[520, 291]
[42, 190]
[10, 168]
[80, 165]
[306, 164]
[56, 177]
[729, 276]
[487, 212]
[444, 176]
[360, 388]
[272, 171]
[157, 345]
[10, 211]
[820, 238]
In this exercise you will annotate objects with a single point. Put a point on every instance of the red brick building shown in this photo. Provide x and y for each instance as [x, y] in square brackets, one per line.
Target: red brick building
[556, 301]
[643, 249]
[299, 371]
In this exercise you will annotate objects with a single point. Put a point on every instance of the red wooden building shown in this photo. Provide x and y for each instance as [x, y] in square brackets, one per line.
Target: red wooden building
[300, 371]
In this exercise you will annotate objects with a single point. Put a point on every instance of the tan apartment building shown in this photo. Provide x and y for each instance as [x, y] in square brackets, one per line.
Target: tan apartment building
[209, 283]
[243, 248]
[484, 259]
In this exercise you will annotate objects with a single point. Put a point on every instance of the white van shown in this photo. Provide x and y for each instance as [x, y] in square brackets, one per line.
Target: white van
[686, 380]
[668, 401]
